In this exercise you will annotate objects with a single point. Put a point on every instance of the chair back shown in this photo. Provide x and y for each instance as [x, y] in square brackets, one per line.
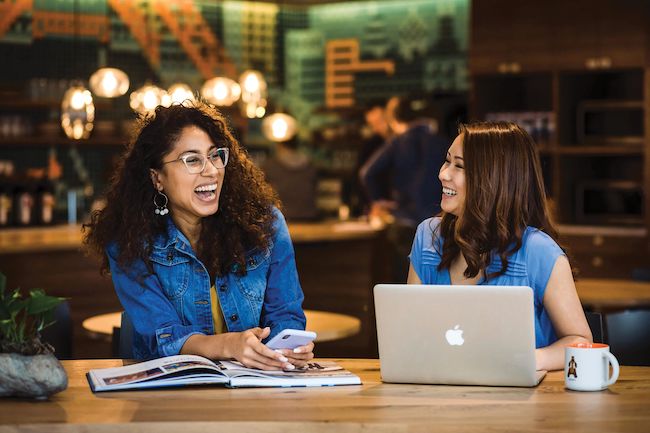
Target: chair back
[59, 334]
[125, 348]
[628, 334]
[595, 321]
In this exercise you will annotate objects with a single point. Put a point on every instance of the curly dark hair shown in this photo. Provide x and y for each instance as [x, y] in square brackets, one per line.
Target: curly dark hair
[504, 195]
[243, 222]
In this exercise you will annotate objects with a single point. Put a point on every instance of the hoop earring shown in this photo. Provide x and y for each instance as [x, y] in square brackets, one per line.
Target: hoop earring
[160, 209]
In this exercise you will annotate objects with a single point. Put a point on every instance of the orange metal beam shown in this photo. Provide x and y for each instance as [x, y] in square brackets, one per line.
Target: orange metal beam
[10, 10]
[136, 20]
[195, 37]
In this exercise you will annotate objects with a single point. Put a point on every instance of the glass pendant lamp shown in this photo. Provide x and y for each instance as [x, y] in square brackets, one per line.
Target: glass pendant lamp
[279, 127]
[221, 91]
[77, 112]
[253, 93]
[77, 107]
[145, 99]
[109, 82]
[180, 92]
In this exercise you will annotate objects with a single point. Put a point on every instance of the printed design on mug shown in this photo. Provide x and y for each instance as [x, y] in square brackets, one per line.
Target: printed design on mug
[573, 368]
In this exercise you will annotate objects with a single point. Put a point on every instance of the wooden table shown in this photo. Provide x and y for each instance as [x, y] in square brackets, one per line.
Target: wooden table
[328, 326]
[371, 407]
[606, 294]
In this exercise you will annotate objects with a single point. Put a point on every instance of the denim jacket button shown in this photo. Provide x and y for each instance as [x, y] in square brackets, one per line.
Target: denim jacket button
[233, 318]
[223, 287]
[170, 257]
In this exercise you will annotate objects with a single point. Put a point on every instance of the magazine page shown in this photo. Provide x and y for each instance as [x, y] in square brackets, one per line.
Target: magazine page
[168, 371]
[316, 373]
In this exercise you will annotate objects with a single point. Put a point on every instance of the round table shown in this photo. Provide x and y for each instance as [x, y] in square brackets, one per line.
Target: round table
[328, 326]
[613, 294]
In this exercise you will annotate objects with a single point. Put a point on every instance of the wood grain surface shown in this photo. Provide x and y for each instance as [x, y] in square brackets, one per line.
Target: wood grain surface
[373, 406]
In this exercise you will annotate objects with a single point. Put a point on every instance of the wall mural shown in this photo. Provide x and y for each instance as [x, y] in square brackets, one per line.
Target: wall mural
[321, 63]
[425, 42]
[342, 64]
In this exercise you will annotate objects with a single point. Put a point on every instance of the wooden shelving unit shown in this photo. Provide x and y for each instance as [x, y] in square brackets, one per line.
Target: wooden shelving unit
[594, 86]
[40, 141]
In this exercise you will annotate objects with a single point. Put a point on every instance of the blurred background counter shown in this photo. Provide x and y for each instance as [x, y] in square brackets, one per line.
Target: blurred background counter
[338, 264]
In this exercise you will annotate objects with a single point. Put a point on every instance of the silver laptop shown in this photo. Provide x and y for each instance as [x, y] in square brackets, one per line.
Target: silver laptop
[457, 335]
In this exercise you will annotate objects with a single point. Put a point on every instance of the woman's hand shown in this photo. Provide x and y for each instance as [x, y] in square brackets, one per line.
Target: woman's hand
[247, 348]
[300, 356]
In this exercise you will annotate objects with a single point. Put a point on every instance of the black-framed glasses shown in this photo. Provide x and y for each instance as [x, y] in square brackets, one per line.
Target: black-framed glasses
[195, 162]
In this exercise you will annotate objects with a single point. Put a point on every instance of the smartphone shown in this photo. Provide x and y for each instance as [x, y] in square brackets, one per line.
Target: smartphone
[290, 339]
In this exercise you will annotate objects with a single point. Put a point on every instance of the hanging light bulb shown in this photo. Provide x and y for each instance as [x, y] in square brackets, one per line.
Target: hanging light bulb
[147, 98]
[109, 82]
[253, 93]
[253, 86]
[180, 92]
[77, 113]
[279, 127]
[254, 110]
[221, 91]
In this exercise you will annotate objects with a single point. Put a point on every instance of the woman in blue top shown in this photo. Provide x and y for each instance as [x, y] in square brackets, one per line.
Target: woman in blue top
[200, 256]
[495, 229]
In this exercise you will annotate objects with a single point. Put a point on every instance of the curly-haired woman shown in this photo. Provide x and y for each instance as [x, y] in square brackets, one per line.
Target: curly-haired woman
[496, 229]
[200, 256]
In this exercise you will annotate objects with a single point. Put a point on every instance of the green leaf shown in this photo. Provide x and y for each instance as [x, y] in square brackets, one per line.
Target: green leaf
[22, 318]
[15, 306]
[39, 302]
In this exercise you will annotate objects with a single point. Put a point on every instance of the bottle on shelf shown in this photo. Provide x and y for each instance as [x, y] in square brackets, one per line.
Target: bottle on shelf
[44, 202]
[23, 202]
[6, 193]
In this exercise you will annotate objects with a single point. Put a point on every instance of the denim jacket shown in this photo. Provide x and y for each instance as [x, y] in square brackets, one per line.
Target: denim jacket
[173, 303]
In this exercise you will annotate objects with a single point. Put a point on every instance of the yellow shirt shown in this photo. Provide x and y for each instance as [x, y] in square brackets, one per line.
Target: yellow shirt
[217, 314]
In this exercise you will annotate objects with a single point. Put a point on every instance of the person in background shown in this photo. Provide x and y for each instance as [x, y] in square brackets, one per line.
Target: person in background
[496, 229]
[200, 256]
[295, 178]
[412, 158]
[378, 133]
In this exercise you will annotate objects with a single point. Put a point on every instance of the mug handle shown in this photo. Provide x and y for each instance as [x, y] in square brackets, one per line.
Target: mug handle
[615, 368]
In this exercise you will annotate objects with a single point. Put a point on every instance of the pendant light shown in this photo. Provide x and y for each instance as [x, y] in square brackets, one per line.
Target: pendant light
[221, 91]
[180, 92]
[145, 99]
[77, 112]
[109, 82]
[77, 107]
[253, 93]
[279, 127]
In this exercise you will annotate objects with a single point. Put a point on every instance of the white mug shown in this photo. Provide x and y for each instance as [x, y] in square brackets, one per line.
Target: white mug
[586, 367]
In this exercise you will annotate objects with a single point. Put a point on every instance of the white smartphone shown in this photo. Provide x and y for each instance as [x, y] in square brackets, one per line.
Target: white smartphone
[290, 339]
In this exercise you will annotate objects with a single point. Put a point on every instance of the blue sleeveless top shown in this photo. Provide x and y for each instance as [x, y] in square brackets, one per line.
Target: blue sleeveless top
[530, 266]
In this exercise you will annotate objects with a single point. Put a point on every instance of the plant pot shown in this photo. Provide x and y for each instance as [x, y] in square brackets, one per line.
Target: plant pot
[37, 376]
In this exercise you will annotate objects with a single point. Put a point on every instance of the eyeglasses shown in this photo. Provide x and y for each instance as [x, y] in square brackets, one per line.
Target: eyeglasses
[195, 162]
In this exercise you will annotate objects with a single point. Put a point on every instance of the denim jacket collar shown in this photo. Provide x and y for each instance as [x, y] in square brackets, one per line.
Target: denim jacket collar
[172, 238]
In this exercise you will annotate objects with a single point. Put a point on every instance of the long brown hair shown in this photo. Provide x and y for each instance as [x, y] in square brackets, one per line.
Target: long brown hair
[243, 222]
[504, 195]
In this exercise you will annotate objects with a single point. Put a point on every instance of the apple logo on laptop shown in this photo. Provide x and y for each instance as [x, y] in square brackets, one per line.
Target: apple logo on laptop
[455, 336]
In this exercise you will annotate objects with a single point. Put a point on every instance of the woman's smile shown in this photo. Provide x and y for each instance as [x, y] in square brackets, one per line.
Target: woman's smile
[206, 192]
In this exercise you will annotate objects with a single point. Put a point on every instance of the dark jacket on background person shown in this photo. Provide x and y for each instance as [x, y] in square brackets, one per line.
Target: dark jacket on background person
[414, 159]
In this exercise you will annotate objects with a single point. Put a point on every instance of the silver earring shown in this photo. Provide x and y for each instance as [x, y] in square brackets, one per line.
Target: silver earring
[160, 209]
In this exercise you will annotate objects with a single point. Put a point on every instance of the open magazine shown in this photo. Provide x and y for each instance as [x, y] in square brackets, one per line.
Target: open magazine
[182, 370]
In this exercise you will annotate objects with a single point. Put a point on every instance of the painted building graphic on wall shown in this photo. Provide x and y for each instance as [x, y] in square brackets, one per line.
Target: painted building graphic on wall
[403, 46]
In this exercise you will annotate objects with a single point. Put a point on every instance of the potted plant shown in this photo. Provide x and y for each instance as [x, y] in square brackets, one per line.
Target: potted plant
[28, 367]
